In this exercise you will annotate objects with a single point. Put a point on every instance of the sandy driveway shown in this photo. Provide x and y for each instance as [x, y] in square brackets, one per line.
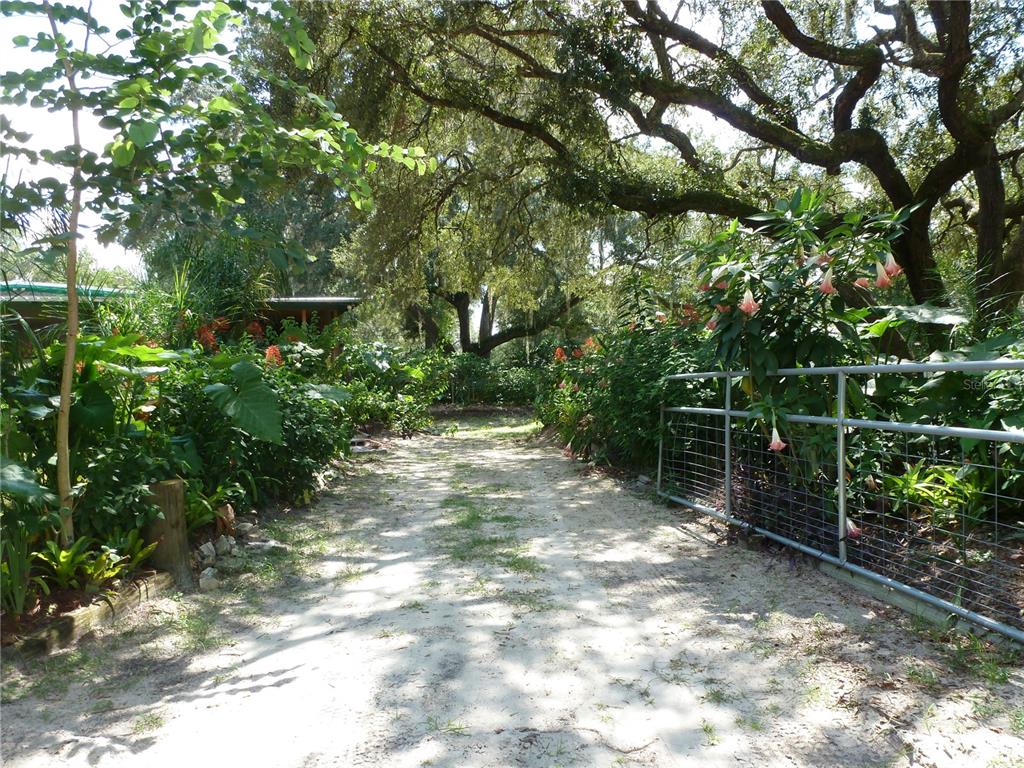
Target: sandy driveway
[472, 600]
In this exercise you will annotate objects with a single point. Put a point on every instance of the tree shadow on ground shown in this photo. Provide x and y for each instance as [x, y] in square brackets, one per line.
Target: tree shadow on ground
[633, 641]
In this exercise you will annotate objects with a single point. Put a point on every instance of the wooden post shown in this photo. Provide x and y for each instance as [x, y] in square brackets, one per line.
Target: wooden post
[171, 553]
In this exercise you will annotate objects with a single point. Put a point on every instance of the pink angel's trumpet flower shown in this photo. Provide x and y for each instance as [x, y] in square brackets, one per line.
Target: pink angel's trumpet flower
[776, 444]
[748, 305]
[723, 308]
[892, 269]
[711, 324]
[820, 257]
[722, 285]
[704, 287]
[826, 286]
[882, 279]
[853, 531]
[862, 282]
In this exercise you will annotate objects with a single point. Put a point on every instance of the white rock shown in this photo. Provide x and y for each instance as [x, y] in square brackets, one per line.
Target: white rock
[207, 554]
[244, 529]
[269, 547]
[223, 545]
[208, 580]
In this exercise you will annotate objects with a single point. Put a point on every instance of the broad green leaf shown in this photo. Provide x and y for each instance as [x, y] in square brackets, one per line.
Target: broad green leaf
[123, 152]
[143, 132]
[328, 392]
[221, 104]
[16, 480]
[926, 313]
[253, 406]
[94, 408]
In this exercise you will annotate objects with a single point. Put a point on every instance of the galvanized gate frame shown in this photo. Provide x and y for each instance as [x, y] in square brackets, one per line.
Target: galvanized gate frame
[841, 424]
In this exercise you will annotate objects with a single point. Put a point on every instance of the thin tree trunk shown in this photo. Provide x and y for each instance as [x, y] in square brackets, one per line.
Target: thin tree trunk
[67, 527]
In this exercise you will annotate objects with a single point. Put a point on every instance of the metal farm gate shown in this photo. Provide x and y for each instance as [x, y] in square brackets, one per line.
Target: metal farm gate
[933, 511]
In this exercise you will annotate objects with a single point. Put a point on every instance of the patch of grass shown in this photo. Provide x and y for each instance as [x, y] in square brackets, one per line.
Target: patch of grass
[970, 654]
[520, 563]
[347, 545]
[923, 676]
[458, 502]
[450, 727]
[509, 520]
[750, 723]
[710, 734]
[150, 721]
[51, 676]
[469, 520]
[985, 708]
[526, 600]
[1017, 721]
[100, 706]
[812, 694]
[763, 648]
[347, 574]
[478, 586]
[480, 547]
[507, 426]
[195, 628]
[413, 605]
[718, 693]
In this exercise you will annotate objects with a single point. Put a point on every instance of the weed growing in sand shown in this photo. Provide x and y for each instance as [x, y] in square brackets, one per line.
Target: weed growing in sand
[750, 723]
[195, 629]
[710, 734]
[1017, 721]
[450, 727]
[150, 721]
[923, 676]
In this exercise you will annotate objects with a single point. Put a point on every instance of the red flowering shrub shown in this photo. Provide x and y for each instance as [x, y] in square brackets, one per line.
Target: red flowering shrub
[205, 336]
[273, 355]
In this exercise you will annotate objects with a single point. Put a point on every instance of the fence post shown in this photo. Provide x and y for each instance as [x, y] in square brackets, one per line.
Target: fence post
[841, 461]
[661, 443]
[728, 446]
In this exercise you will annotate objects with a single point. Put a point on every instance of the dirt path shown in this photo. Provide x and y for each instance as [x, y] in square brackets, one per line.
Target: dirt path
[475, 601]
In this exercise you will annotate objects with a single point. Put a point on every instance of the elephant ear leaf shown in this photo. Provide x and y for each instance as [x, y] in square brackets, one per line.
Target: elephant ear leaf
[328, 392]
[16, 480]
[94, 409]
[251, 405]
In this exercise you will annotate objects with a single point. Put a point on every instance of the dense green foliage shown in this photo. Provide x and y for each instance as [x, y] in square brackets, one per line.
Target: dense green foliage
[599, 393]
[245, 414]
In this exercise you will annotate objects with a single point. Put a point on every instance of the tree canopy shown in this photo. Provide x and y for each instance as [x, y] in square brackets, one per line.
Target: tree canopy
[671, 109]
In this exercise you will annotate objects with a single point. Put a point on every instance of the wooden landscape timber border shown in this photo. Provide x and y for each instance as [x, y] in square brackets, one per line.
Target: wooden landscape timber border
[66, 630]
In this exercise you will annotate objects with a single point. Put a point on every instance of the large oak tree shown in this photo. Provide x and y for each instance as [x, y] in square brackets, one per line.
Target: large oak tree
[911, 104]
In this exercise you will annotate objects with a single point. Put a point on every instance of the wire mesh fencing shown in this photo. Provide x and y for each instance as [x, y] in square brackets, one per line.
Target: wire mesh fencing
[935, 511]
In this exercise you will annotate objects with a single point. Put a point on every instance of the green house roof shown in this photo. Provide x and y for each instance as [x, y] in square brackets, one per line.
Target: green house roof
[30, 291]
